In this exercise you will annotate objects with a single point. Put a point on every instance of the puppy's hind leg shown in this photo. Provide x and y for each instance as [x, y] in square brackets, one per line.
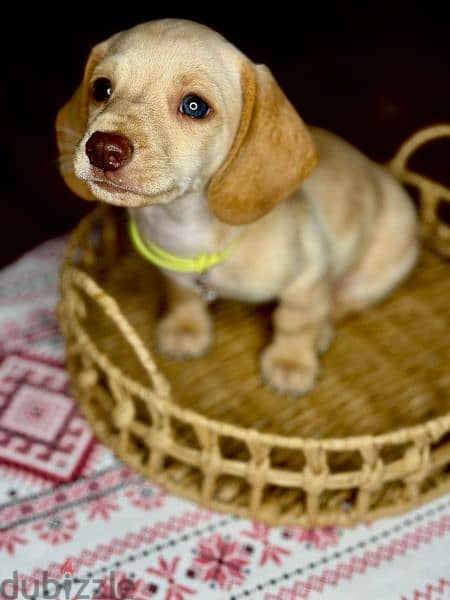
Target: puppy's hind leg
[390, 256]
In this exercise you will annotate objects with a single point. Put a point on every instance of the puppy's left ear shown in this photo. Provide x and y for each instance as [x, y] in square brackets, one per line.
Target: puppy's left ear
[71, 122]
[271, 155]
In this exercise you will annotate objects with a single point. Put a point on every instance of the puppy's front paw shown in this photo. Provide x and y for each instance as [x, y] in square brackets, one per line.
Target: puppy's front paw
[186, 332]
[289, 367]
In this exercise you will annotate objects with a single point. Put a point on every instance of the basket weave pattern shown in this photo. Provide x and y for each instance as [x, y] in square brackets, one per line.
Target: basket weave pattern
[209, 431]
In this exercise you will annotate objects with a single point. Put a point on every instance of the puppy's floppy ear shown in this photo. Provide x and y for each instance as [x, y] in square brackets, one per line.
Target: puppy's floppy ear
[71, 122]
[272, 153]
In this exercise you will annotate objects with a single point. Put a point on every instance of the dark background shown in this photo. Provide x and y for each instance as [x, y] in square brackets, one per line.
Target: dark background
[371, 71]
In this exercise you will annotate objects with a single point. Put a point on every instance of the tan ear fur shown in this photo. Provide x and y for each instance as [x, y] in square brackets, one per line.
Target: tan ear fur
[271, 155]
[71, 122]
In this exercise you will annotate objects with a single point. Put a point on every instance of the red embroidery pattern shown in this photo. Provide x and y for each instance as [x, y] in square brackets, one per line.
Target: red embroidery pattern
[270, 552]
[432, 591]
[41, 430]
[10, 539]
[101, 508]
[146, 496]
[221, 561]
[79, 491]
[369, 560]
[118, 546]
[320, 538]
[57, 528]
[167, 570]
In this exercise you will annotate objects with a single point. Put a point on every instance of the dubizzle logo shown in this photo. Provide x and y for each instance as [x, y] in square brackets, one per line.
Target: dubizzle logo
[67, 587]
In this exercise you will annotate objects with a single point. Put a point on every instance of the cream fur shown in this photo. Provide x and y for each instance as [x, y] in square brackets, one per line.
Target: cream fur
[342, 240]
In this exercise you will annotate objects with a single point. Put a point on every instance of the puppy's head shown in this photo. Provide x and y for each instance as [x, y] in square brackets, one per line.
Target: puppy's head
[170, 107]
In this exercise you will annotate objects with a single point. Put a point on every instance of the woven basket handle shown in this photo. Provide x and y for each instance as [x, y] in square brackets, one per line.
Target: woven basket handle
[73, 278]
[94, 246]
[432, 195]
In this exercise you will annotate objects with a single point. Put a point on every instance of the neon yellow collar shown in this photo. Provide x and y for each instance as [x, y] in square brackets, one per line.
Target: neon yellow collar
[172, 262]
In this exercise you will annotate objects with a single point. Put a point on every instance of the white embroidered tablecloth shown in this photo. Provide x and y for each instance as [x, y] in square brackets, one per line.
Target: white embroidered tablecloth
[76, 523]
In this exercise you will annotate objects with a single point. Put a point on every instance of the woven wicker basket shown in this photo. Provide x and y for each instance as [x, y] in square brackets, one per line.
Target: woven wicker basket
[372, 439]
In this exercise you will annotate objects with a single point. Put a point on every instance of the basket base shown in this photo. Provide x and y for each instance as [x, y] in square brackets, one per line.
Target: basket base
[386, 369]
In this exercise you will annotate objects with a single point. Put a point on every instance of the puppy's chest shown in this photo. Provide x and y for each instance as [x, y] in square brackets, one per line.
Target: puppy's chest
[186, 238]
[255, 271]
[257, 283]
[257, 268]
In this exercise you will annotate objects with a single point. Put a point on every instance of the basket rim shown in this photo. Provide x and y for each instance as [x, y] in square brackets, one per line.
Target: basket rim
[71, 275]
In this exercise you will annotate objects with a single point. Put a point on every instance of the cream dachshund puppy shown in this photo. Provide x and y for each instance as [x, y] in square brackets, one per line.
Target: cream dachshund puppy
[231, 194]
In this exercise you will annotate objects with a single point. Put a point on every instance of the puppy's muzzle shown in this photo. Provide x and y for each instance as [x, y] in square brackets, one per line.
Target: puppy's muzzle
[108, 151]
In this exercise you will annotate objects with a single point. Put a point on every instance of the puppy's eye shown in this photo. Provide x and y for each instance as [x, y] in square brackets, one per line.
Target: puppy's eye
[194, 107]
[102, 89]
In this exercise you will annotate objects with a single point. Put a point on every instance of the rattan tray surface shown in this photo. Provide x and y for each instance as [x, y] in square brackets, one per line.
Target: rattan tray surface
[372, 439]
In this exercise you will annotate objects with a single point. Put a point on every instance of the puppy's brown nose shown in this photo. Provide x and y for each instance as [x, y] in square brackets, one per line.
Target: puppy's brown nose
[108, 151]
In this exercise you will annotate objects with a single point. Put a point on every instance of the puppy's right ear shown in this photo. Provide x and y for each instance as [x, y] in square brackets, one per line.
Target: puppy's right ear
[71, 122]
